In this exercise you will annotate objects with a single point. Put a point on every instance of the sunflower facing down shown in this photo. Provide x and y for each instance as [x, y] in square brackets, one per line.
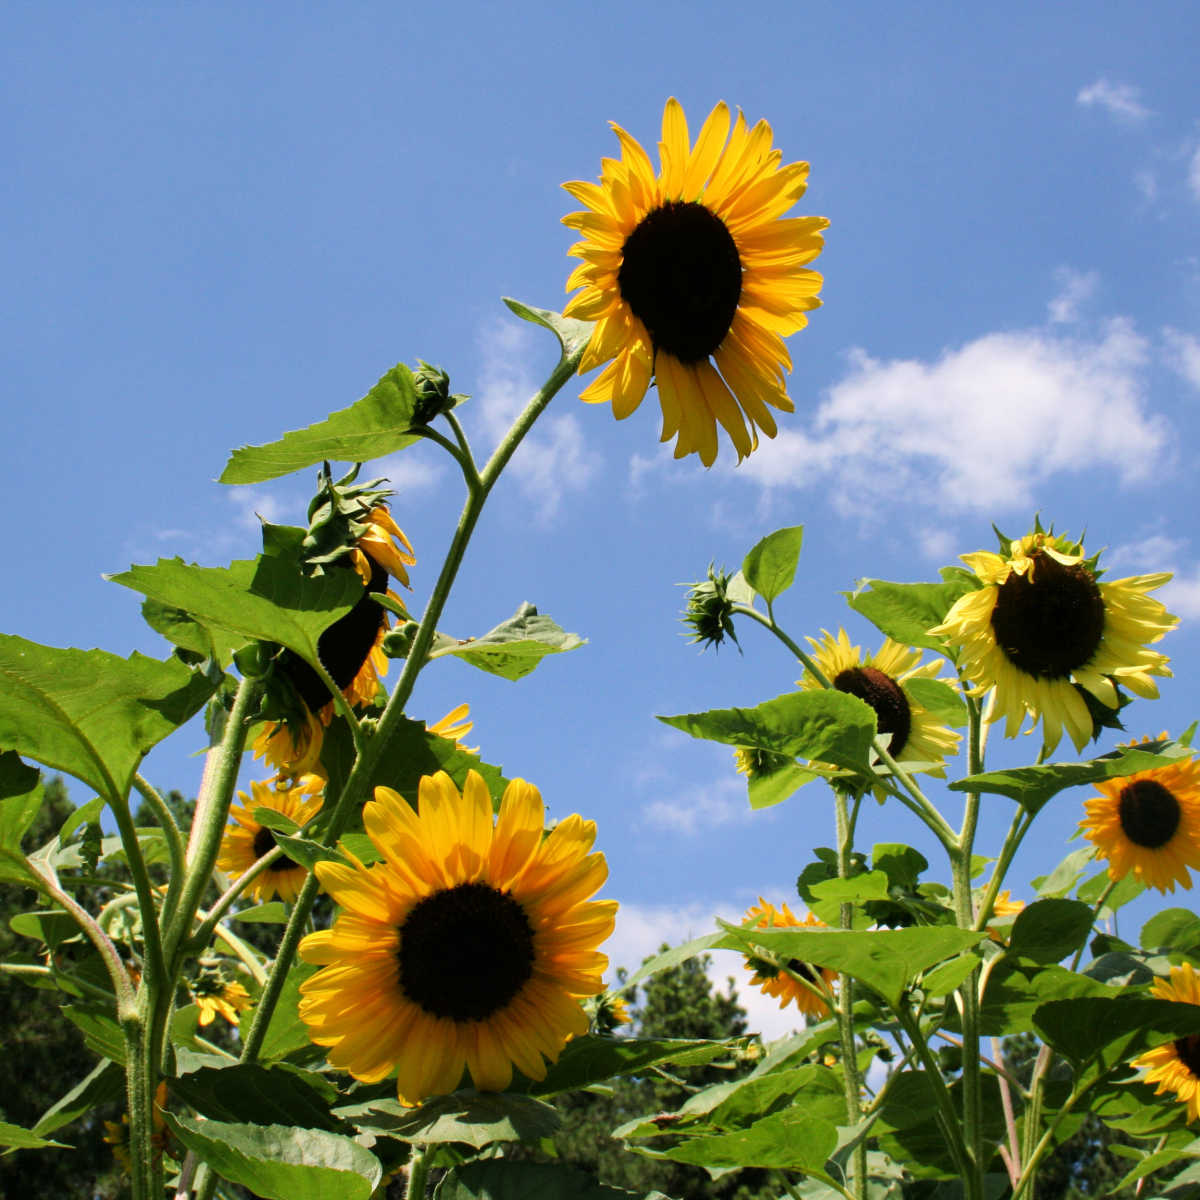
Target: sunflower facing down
[692, 266]
[216, 996]
[1043, 626]
[1175, 1066]
[776, 982]
[1148, 823]
[246, 841]
[468, 946]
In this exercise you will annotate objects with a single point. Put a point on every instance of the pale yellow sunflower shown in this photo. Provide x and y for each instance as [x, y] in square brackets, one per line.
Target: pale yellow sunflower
[468, 947]
[1148, 823]
[1175, 1066]
[692, 266]
[915, 734]
[247, 840]
[1043, 626]
[775, 981]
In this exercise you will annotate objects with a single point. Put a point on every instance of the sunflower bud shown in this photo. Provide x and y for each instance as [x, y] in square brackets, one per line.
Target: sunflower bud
[398, 642]
[709, 612]
[432, 386]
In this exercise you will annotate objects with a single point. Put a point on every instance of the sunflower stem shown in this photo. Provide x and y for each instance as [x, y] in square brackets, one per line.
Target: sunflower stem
[1017, 830]
[418, 1175]
[172, 836]
[141, 1076]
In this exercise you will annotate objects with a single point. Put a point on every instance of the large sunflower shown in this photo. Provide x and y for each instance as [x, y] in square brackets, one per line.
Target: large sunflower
[777, 982]
[916, 735]
[246, 841]
[1043, 628]
[1175, 1066]
[467, 947]
[691, 265]
[1148, 823]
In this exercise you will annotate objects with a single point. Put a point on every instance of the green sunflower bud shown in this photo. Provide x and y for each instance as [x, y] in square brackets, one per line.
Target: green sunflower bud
[709, 612]
[398, 642]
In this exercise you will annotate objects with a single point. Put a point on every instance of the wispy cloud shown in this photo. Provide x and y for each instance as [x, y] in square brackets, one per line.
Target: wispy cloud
[706, 806]
[1161, 552]
[1075, 288]
[1183, 354]
[1123, 100]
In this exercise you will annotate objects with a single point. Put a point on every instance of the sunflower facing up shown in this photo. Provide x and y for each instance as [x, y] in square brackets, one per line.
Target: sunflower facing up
[776, 982]
[1175, 1066]
[1148, 823]
[1042, 627]
[695, 266]
[468, 947]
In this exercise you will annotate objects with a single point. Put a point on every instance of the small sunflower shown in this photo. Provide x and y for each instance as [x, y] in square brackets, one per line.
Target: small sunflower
[773, 979]
[1042, 627]
[1004, 911]
[1175, 1066]
[246, 841]
[916, 736]
[455, 726]
[468, 946]
[694, 264]
[1148, 823]
[215, 996]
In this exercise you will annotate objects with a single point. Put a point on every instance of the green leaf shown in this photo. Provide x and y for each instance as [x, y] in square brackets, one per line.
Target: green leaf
[1016, 990]
[770, 567]
[286, 1032]
[271, 913]
[281, 1162]
[1173, 929]
[265, 598]
[372, 427]
[901, 864]
[1066, 875]
[515, 647]
[23, 1139]
[259, 1095]
[773, 787]
[184, 631]
[1120, 1026]
[104, 1083]
[306, 852]
[20, 798]
[907, 611]
[100, 1030]
[942, 700]
[475, 1118]
[90, 713]
[1032, 787]
[828, 726]
[1049, 930]
[941, 981]
[674, 956]
[857, 890]
[498, 1179]
[572, 334]
[52, 927]
[1129, 888]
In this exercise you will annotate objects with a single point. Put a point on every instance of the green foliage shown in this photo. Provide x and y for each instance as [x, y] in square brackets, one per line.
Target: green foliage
[907, 611]
[770, 568]
[528, 1181]
[516, 646]
[466, 1117]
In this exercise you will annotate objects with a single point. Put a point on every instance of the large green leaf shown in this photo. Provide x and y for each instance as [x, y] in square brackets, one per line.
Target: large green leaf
[941, 699]
[828, 726]
[1119, 1026]
[767, 788]
[378, 424]
[101, 1033]
[1049, 930]
[280, 1161]
[1173, 929]
[1017, 989]
[497, 1179]
[572, 334]
[907, 611]
[770, 567]
[90, 713]
[475, 1118]
[22, 1139]
[259, 1095]
[266, 598]
[20, 798]
[517, 645]
[103, 1083]
[183, 630]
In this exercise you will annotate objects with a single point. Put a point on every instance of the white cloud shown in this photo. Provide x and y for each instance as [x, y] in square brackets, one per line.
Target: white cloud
[1182, 594]
[979, 428]
[554, 458]
[1123, 100]
[938, 544]
[1161, 552]
[1146, 182]
[1184, 354]
[1194, 173]
[707, 806]
[1075, 289]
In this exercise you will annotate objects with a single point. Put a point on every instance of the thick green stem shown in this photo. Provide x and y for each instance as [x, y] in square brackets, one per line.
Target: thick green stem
[141, 1077]
[172, 836]
[418, 1175]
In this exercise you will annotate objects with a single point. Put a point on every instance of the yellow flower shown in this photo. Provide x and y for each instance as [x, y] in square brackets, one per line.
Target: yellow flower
[916, 735]
[246, 841]
[468, 947]
[116, 1133]
[1175, 1066]
[455, 726]
[1003, 907]
[227, 1002]
[692, 265]
[292, 752]
[385, 543]
[1043, 626]
[1148, 823]
[776, 982]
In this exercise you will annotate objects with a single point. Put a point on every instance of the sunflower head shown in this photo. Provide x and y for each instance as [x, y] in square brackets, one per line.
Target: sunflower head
[1043, 628]
[754, 762]
[694, 277]
[789, 981]
[709, 611]
[1175, 1066]
[215, 995]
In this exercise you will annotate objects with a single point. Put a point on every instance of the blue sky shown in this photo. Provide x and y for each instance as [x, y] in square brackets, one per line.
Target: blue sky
[224, 223]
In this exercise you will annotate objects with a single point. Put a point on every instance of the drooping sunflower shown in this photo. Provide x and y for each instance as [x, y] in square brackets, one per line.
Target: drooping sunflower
[1043, 629]
[1148, 823]
[1175, 1066]
[695, 266]
[216, 996]
[468, 946]
[879, 679]
[247, 840]
[776, 982]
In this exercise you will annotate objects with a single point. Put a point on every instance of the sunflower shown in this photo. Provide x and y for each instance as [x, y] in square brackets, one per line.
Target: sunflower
[1004, 910]
[219, 997]
[1043, 629]
[1148, 823]
[1175, 1066]
[246, 841]
[468, 946]
[915, 735]
[116, 1133]
[455, 726]
[773, 979]
[692, 265]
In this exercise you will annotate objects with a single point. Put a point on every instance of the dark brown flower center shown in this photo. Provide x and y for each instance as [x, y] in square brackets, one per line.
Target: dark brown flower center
[1188, 1049]
[1149, 813]
[892, 713]
[682, 277]
[465, 952]
[1051, 626]
[264, 841]
[802, 969]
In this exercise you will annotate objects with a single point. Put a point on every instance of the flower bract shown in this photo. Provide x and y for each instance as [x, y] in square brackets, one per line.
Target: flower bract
[1175, 1066]
[776, 981]
[694, 277]
[468, 947]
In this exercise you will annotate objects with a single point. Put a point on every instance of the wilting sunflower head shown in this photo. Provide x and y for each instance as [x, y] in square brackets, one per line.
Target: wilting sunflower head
[1042, 628]
[694, 277]
[1148, 823]
[789, 981]
[467, 948]
[1175, 1066]
[247, 839]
